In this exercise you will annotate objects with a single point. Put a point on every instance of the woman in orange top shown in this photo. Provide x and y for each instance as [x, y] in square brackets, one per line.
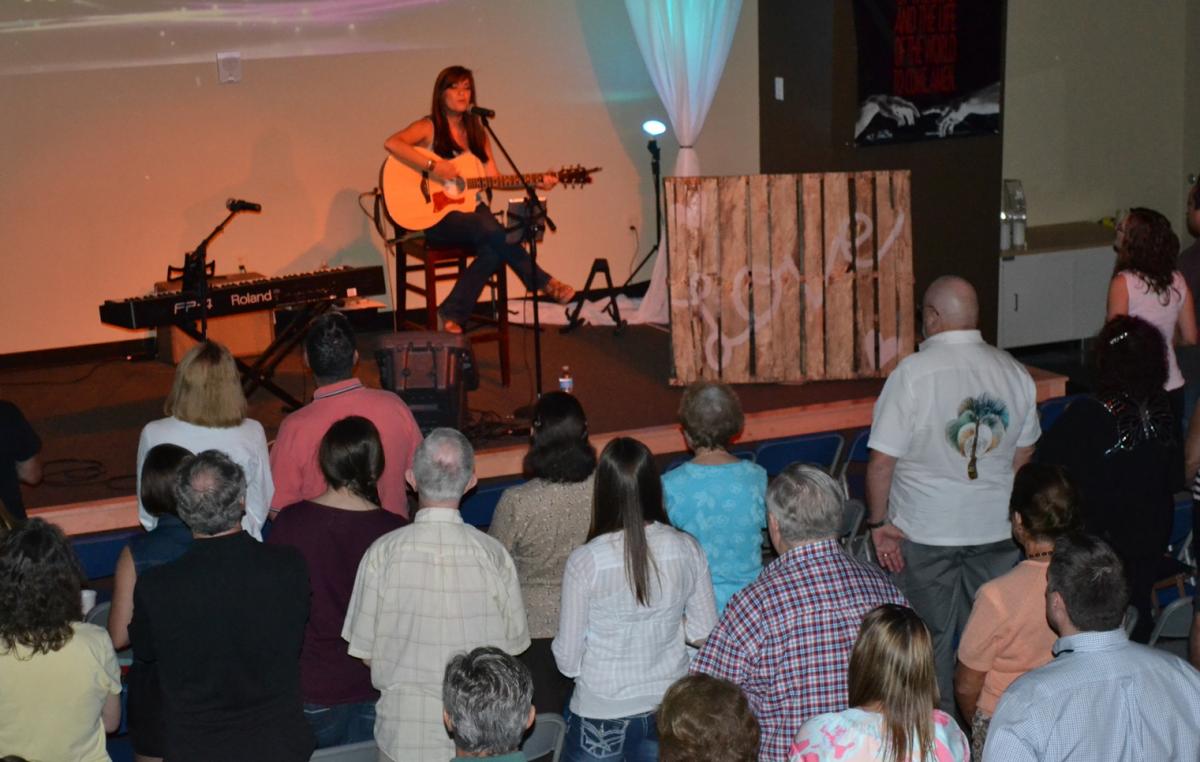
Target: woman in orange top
[1007, 634]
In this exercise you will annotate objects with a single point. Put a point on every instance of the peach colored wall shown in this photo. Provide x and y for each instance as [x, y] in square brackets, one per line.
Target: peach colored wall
[120, 153]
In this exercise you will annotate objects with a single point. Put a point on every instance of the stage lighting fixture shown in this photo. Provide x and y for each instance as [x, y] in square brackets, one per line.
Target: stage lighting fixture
[653, 127]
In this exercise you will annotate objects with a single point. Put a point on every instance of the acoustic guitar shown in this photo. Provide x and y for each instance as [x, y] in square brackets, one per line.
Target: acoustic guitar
[416, 201]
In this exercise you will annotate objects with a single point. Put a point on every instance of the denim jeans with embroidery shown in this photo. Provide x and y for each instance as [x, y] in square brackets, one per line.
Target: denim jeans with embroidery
[625, 739]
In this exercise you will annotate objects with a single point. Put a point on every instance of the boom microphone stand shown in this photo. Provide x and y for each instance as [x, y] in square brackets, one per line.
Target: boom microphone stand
[531, 227]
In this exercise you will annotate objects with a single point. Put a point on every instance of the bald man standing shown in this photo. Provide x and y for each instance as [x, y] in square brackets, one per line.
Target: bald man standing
[953, 424]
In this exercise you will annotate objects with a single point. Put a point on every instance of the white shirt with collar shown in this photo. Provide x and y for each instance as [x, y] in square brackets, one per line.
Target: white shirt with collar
[926, 417]
[1101, 698]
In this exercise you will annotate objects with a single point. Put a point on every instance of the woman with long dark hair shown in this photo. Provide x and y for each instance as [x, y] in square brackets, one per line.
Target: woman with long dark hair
[1120, 446]
[1147, 284]
[633, 598]
[540, 522]
[332, 532]
[893, 714]
[60, 687]
[451, 130]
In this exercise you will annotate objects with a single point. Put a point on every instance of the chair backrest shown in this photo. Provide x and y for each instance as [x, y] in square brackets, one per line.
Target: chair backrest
[99, 614]
[1050, 410]
[365, 751]
[1174, 622]
[821, 449]
[479, 506]
[1131, 620]
[549, 730]
[98, 553]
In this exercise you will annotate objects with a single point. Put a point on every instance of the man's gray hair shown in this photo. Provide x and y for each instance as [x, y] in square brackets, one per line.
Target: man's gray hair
[210, 493]
[443, 465]
[487, 694]
[807, 503]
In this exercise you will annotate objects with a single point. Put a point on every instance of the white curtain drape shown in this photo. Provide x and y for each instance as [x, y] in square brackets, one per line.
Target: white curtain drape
[685, 44]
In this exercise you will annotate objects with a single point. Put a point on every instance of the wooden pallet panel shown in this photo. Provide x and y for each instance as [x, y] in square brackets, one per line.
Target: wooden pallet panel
[813, 236]
[785, 327]
[733, 287]
[863, 240]
[839, 278]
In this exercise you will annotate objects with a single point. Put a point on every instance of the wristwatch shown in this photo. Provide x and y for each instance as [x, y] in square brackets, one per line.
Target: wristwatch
[873, 525]
[429, 165]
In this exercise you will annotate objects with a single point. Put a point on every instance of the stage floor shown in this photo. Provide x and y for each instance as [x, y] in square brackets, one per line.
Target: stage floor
[89, 415]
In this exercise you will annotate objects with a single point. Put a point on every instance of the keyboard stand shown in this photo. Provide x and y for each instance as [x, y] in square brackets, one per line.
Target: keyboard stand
[263, 369]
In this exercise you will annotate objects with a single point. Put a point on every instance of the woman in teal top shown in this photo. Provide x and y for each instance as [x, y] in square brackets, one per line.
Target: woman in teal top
[716, 497]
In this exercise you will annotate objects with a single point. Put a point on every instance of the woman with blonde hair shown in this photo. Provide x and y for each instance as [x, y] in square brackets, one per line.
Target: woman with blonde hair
[206, 410]
[893, 714]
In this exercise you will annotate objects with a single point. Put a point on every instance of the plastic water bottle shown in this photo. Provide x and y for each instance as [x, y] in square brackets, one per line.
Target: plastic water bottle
[566, 382]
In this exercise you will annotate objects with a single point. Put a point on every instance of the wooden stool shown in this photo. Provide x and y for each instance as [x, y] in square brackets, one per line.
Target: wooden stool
[415, 254]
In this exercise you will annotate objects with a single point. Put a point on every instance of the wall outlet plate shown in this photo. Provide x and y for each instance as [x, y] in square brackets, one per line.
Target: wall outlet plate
[229, 68]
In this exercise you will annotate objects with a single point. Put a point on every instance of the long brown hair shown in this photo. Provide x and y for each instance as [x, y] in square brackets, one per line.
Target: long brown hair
[627, 495]
[1150, 250]
[444, 144]
[892, 666]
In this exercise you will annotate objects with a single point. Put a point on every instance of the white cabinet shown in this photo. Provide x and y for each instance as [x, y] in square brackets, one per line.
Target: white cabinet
[1057, 288]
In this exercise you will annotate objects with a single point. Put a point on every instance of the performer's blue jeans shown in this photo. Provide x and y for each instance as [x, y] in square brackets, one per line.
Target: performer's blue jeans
[483, 232]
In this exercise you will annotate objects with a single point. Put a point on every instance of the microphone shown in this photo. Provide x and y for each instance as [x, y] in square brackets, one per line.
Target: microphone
[486, 113]
[238, 205]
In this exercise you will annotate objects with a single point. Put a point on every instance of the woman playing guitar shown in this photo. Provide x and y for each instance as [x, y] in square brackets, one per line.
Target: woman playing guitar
[450, 130]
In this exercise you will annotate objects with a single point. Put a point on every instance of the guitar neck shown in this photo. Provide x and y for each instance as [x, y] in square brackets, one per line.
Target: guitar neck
[504, 182]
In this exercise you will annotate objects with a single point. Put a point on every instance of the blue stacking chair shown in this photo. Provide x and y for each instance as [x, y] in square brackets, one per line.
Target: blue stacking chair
[821, 449]
[98, 553]
[477, 508]
[1050, 410]
[743, 454]
[856, 483]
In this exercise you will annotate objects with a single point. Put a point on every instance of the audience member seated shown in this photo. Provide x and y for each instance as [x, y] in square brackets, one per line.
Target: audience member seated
[426, 592]
[893, 712]
[19, 462]
[1101, 697]
[1147, 285]
[705, 719]
[60, 688]
[206, 410]
[1119, 447]
[540, 522]
[169, 540]
[786, 638]
[487, 705]
[633, 597]
[333, 531]
[223, 625]
[1007, 634]
[717, 497]
[329, 350]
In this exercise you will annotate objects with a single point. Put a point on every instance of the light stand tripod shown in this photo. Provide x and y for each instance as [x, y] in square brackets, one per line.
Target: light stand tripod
[656, 170]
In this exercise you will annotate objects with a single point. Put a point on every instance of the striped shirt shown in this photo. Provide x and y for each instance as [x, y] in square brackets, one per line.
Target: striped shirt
[424, 593]
[1101, 698]
[786, 638]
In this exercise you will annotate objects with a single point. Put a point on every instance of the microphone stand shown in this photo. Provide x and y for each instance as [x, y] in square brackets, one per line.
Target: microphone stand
[532, 227]
[196, 271]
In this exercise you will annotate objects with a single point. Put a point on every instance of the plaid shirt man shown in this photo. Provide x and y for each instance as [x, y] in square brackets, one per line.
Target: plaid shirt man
[786, 638]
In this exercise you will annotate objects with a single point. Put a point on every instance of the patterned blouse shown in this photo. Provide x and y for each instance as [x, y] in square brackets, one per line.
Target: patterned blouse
[540, 523]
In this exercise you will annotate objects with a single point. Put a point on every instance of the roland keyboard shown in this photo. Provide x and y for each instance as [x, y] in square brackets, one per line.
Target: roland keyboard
[236, 298]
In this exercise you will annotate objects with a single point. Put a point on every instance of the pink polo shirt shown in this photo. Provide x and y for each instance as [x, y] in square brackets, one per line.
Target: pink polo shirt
[294, 464]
